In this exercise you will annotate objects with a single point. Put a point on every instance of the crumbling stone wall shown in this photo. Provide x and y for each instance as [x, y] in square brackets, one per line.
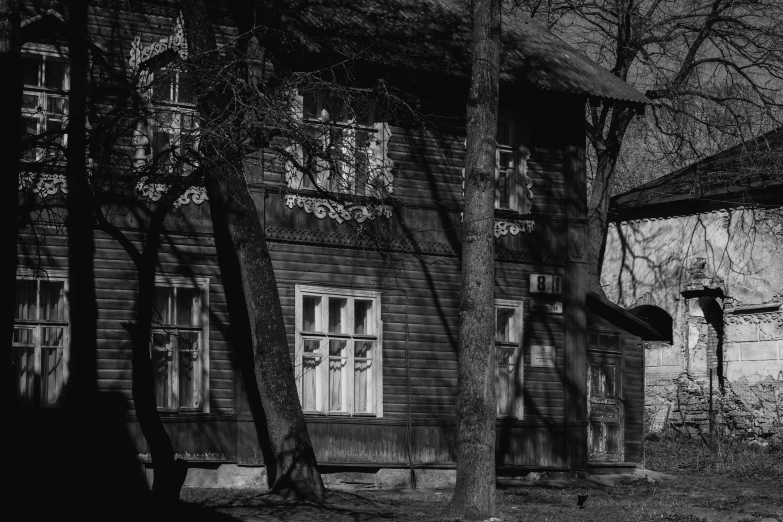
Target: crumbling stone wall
[747, 409]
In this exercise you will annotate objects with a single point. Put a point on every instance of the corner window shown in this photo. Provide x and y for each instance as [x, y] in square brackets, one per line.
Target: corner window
[338, 351]
[180, 341]
[345, 150]
[512, 184]
[509, 372]
[40, 341]
[168, 140]
[47, 80]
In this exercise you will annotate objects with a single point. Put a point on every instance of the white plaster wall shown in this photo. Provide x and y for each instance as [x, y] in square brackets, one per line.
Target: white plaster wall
[744, 247]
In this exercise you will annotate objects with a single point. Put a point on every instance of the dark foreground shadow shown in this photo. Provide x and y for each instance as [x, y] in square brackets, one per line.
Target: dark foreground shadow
[79, 465]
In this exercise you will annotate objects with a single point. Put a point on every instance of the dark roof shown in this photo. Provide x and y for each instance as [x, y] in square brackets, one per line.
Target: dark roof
[750, 173]
[622, 318]
[434, 36]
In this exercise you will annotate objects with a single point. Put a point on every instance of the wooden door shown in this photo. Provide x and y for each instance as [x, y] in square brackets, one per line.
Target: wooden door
[604, 391]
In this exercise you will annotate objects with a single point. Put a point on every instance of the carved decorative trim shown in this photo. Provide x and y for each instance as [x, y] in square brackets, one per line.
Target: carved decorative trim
[503, 228]
[155, 191]
[45, 184]
[176, 42]
[322, 208]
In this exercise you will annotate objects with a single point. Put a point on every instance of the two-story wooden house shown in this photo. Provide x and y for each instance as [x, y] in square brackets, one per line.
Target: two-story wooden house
[372, 325]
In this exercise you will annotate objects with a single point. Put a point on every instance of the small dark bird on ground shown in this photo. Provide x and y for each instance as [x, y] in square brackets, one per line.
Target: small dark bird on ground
[581, 498]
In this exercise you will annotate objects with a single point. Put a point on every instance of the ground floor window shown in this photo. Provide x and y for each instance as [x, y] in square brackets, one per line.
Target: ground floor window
[40, 339]
[509, 372]
[338, 350]
[180, 343]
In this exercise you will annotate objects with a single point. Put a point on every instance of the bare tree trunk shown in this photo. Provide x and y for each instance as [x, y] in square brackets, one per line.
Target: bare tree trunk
[475, 489]
[607, 151]
[233, 207]
[83, 379]
[10, 110]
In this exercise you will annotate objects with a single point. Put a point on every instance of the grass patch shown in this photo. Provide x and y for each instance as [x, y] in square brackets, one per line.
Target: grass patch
[673, 452]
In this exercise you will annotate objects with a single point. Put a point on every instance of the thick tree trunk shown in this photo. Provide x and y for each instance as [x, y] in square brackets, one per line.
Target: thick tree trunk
[475, 490]
[10, 143]
[233, 207]
[169, 474]
[82, 386]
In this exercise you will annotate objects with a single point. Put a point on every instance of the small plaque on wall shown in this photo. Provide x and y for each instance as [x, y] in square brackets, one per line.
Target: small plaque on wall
[548, 308]
[542, 356]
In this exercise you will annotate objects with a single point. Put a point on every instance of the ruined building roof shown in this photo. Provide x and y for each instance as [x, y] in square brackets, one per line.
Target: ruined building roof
[748, 174]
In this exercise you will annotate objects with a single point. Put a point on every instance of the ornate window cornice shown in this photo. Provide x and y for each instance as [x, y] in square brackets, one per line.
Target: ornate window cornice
[176, 42]
[154, 191]
[503, 228]
[323, 208]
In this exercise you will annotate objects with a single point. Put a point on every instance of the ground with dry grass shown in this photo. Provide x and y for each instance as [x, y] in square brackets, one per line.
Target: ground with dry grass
[726, 482]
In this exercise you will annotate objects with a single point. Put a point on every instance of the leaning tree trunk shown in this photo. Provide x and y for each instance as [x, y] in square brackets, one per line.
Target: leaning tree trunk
[10, 144]
[296, 470]
[83, 384]
[475, 489]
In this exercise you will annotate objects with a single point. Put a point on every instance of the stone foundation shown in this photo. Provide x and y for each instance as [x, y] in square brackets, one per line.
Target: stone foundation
[745, 409]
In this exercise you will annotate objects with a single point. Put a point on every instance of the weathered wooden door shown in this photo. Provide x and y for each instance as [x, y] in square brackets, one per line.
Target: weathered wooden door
[604, 391]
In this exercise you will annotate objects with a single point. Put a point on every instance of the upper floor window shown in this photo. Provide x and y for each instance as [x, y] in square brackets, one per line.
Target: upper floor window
[338, 350]
[47, 80]
[508, 354]
[180, 344]
[169, 138]
[40, 341]
[512, 184]
[344, 150]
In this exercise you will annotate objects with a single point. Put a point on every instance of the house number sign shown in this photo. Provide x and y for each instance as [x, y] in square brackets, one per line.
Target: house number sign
[546, 284]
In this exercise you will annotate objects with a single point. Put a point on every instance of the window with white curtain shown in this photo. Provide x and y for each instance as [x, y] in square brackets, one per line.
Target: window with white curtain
[338, 351]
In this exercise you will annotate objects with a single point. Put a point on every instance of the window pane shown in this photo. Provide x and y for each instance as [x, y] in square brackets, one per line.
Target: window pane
[52, 374]
[56, 74]
[188, 306]
[53, 301]
[187, 377]
[503, 181]
[596, 435]
[595, 381]
[163, 301]
[23, 368]
[26, 297]
[337, 315]
[609, 381]
[504, 134]
[361, 385]
[52, 336]
[161, 370]
[57, 105]
[504, 388]
[24, 336]
[311, 313]
[309, 374]
[30, 101]
[505, 325]
[612, 438]
[30, 69]
[362, 317]
[337, 361]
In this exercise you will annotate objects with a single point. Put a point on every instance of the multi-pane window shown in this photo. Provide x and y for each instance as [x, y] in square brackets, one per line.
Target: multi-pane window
[40, 341]
[47, 80]
[508, 354]
[345, 150]
[512, 184]
[338, 350]
[171, 135]
[179, 344]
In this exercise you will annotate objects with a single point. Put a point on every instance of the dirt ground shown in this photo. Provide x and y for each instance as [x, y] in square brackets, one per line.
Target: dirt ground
[670, 498]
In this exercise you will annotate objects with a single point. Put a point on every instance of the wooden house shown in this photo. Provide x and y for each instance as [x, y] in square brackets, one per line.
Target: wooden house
[372, 330]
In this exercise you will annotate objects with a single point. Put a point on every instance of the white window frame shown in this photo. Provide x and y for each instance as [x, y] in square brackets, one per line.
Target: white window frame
[43, 93]
[519, 157]
[343, 181]
[322, 376]
[517, 404]
[144, 136]
[37, 324]
[202, 371]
